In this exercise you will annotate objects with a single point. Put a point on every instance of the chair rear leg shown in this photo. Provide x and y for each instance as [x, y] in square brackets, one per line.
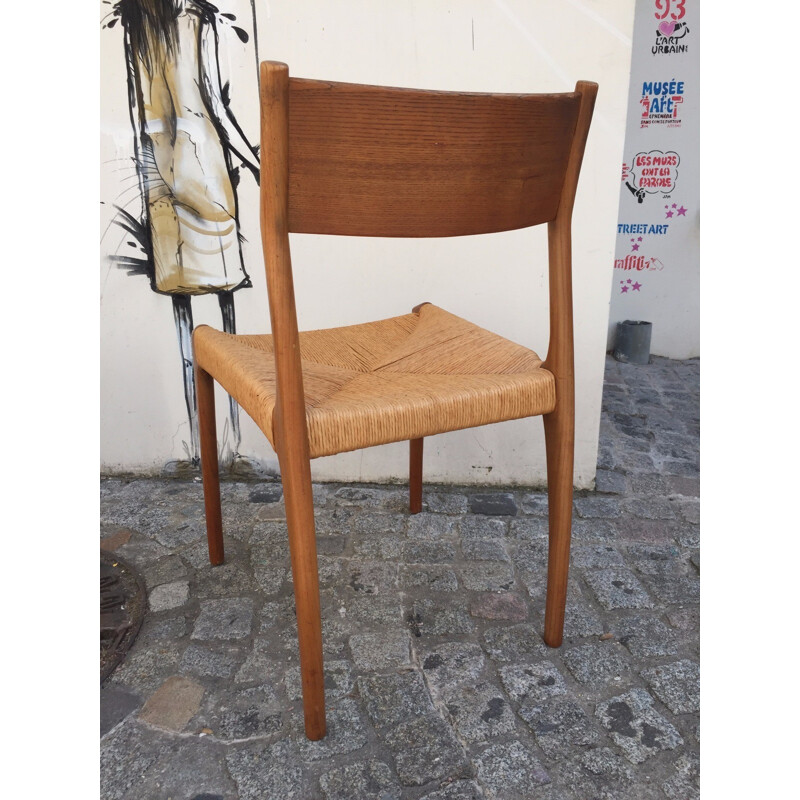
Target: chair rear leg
[559, 433]
[296, 478]
[209, 464]
[415, 476]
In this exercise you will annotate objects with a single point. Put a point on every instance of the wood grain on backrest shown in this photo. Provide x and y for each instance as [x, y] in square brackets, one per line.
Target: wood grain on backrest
[378, 161]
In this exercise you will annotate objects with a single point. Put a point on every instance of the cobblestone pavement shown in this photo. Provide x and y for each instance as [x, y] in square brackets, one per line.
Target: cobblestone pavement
[438, 683]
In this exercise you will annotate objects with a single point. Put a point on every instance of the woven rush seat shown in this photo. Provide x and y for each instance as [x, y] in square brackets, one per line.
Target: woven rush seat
[401, 378]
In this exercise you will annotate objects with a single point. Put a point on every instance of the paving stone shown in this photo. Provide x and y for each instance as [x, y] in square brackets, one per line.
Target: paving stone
[385, 547]
[145, 669]
[125, 756]
[267, 493]
[495, 504]
[482, 527]
[445, 502]
[645, 636]
[685, 783]
[529, 528]
[658, 559]
[390, 699]
[559, 724]
[514, 643]
[508, 770]
[436, 577]
[185, 533]
[688, 535]
[532, 683]
[431, 617]
[499, 605]
[653, 531]
[611, 482]
[453, 663]
[231, 618]
[425, 750]
[636, 727]
[372, 577]
[617, 588]
[274, 771]
[416, 552]
[602, 774]
[650, 508]
[173, 704]
[648, 484]
[535, 503]
[479, 710]
[194, 769]
[168, 595]
[377, 524]
[232, 579]
[580, 620]
[596, 663]
[676, 685]
[370, 610]
[674, 590]
[381, 651]
[260, 666]
[218, 662]
[486, 576]
[458, 790]
[484, 550]
[684, 619]
[430, 526]
[368, 780]
[116, 704]
[243, 713]
[588, 530]
[596, 556]
[682, 485]
[595, 507]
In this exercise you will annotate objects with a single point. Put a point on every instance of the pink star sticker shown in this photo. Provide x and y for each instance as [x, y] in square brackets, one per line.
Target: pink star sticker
[670, 214]
[624, 289]
[629, 281]
[634, 248]
[681, 212]
[639, 239]
[637, 286]
[674, 205]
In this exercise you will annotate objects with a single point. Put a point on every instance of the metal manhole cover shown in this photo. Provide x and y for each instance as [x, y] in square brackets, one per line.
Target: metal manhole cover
[123, 601]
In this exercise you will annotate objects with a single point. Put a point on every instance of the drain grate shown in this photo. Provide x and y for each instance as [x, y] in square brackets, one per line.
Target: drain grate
[122, 607]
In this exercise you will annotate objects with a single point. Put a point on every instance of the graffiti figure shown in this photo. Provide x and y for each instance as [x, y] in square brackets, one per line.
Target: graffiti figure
[187, 142]
[639, 194]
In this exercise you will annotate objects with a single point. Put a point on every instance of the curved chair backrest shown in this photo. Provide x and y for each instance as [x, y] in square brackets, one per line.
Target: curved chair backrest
[379, 161]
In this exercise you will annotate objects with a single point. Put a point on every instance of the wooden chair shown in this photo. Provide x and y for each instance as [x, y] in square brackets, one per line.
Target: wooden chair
[348, 159]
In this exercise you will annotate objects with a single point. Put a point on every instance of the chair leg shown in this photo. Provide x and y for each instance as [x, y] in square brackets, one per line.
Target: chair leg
[415, 476]
[559, 433]
[209, 464]
[296, 478]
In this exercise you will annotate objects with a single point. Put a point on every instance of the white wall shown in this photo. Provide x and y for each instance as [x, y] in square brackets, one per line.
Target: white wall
[660, 281]
[496, 281]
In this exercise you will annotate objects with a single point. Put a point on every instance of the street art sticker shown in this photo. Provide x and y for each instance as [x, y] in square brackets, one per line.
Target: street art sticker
[190, 155]
[643, 229]
[661, 103]
[637, 264]
[652, 173]
[672, 28]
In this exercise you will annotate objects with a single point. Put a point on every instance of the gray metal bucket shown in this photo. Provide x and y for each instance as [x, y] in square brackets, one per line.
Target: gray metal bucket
[633, 342]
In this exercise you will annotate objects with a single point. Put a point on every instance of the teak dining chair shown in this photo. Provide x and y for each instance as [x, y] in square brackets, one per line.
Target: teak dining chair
[347, 159]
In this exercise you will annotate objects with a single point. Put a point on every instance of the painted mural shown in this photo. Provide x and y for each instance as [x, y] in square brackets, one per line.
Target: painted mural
[190, 154]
